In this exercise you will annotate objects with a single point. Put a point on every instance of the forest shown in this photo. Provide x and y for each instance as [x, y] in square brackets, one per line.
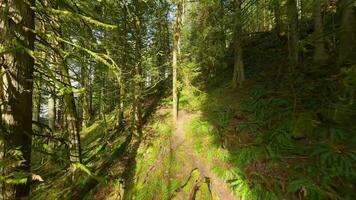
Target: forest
[178, 99]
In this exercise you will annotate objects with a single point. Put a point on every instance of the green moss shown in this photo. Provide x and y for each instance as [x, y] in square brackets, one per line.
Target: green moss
[204, 190]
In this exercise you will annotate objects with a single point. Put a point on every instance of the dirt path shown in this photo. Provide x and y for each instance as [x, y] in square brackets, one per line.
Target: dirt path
[179, 139]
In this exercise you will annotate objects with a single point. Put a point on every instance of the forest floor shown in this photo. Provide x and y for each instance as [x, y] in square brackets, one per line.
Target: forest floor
[226, 143]
[180, 140]
[166, 166]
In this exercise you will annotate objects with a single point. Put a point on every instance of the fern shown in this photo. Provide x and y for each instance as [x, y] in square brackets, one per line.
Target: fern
[334, 161]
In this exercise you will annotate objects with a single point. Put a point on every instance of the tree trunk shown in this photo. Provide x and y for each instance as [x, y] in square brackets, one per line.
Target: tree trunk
[90, 96]
[37, 104]
[277, 16]
[138, 78]
[238, 74]
[347, 48]
[2, 100]
[51, 112]
[293, 38]
[120, 107]
[162, 39]
[18, 87]
[176, 42]
[71, 117]
[102, 100]
[320, 54]
[85, 96]
[60, 113]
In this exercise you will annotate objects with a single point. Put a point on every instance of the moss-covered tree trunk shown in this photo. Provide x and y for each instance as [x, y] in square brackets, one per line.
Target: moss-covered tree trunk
[17, 81]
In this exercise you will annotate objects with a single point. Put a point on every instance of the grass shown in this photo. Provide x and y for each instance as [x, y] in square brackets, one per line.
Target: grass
[156, 164]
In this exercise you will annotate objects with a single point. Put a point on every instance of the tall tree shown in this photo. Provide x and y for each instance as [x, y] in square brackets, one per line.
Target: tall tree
[277, 15]
[320, 54]
[138, 66]
[16, 35]
[71, 116]
[347, 48]
[239, 72]
[175, 54]
[293, 36]
[52, 111]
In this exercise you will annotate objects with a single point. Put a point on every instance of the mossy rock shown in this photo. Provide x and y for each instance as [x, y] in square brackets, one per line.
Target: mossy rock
[193, 180]
[304, 126]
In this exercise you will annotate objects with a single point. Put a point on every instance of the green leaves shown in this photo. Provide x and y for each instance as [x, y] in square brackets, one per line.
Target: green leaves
[63, 90]
[16, 178]
[83, 168]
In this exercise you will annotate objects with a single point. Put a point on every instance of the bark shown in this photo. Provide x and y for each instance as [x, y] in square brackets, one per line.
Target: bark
[71, 118]
[347, 48]
[18, 87]
[238, 74]
[292, 13]
[320, 54]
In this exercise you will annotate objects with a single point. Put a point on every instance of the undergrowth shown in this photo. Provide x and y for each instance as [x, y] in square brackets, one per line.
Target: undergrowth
[99, 144]
[278, 136]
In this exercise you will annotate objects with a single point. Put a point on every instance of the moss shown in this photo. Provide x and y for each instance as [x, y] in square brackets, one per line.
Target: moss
[204, 190]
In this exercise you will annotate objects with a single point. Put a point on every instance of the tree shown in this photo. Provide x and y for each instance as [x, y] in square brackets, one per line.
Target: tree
[277, 16]
[239, 73]
[293, 38]
[347, 47]
[320, 54]
[175, 53]
[71, 116]
[18, 38]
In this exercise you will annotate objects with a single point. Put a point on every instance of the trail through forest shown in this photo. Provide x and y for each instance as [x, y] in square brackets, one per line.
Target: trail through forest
[177, 100]
[180, 140]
